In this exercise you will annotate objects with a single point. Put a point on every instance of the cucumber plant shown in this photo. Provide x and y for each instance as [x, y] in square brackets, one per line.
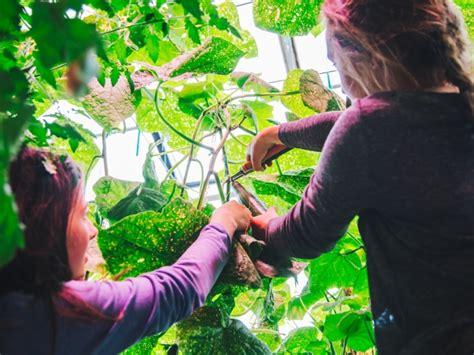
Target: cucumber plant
[171, 65]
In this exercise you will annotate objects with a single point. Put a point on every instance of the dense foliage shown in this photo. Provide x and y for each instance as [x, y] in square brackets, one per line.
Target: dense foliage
[171, 64]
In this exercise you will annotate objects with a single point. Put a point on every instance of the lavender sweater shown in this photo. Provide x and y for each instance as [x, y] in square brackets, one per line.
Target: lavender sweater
[404, 163]
[149, 303]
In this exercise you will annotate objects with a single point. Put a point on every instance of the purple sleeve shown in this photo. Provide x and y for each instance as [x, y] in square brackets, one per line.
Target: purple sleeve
[336, 192]
[308, 133]
[152, 302]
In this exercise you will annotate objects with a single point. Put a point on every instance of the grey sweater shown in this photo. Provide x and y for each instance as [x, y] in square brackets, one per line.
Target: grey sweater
[404, 163]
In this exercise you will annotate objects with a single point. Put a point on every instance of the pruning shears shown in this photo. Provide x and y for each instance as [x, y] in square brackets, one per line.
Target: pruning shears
[247, 168]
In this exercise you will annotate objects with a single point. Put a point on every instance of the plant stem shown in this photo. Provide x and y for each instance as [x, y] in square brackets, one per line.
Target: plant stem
[277, 164]
[223, 197]
[352, 251]
[167, 123]
[344, 345]
[214, 157]
[173, 168]
[104, 153]
[226, 172]
[131, 25]
[191, 150]
[289, 93]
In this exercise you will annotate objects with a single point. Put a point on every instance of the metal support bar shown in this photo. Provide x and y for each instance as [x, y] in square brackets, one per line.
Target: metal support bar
[288, 49]
[161, 149]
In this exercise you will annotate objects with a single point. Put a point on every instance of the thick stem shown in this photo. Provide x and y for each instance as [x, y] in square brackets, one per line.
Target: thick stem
[104, 153]
[344, 346]
[191, 150]
[173, 168]
[214, 157]
[289, 93]
[226, 172]
[223, 197]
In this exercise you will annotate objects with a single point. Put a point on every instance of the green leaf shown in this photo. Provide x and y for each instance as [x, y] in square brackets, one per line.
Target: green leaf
[289, 18]
[316, 96]
[86, 152]
[210, 332]
[234, 33]
[120, 49]
[109, 105]
[149, 240]
[11, 132]
[12, 236]
[139, 200]
[60, 39]
[356, 327]
[148, 119]
[299, 306]
[191, 6]
[153, 47]
[144, 346]
[193, 32]
[340, 267]
[295, 102]
[109, 191]
[305, 340]
[252, 82]
[263, 112]
[215, 55]
[282, 191]
[114, 76]
[10, 10]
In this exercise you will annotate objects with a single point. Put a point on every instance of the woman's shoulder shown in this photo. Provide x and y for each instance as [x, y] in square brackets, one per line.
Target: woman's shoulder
[407, 108]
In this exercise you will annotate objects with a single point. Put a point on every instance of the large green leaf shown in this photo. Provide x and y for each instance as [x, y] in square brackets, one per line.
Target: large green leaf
[289, 18]
[246, 42]
[11, 236]
[215, 55]
[149, 240]
[263, 113]
[86, 153]
[139, 200]
[109, 191]
[354, 327]
[343, 266]
[282, 191]
[208, 331]
[295, 102]
[109, 105]
[305, 340]
[148, 119]
[316, 96]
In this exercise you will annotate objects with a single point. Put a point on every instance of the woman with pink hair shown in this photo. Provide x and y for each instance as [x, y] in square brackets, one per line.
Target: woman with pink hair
[46, 307]
[402, 159]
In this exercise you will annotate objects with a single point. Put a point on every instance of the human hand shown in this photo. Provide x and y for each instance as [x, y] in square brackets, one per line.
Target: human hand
[264, 145]
[233, 217]
[260, 223]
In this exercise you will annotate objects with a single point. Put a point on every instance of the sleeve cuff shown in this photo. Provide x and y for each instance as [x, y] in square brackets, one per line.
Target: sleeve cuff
[273, 237]
[218, 230]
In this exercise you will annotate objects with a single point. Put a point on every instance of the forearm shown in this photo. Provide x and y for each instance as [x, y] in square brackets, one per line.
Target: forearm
[309, 229]
[191, 278]
[152, 302]
[308, 133]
